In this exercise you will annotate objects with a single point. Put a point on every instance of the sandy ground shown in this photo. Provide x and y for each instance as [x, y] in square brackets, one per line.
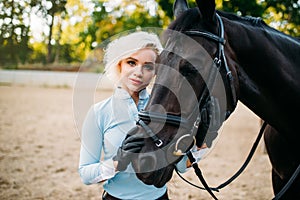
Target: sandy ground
[39, 151]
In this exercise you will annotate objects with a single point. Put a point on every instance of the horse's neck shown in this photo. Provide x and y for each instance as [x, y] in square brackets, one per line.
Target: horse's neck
[267, 65]
[250, 42]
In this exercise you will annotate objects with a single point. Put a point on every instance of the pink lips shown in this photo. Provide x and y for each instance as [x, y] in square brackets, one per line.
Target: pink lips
[135, 82]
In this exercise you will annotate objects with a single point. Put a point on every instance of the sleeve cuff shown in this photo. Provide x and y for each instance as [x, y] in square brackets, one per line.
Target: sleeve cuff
[181, 165]
[107, 171]
[198, 155]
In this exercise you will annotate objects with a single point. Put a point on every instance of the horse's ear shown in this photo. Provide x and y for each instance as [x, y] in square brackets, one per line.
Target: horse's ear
[207, 9]
[179, 7]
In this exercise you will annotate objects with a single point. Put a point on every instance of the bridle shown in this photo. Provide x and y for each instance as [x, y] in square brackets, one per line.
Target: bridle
[173, 120]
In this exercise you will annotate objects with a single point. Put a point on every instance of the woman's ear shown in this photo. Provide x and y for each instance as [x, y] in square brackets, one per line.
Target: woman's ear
[119, 67]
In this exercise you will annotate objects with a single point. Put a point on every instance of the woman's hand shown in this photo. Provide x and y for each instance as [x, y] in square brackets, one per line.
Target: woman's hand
[131, 145]
[197, 149]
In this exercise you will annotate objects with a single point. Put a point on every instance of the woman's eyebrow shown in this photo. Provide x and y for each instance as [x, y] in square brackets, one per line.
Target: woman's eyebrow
[131, 58]
[149, 62]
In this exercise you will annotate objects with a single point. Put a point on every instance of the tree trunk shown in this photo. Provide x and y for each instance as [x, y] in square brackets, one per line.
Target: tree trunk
[49, 46]
[57, 52]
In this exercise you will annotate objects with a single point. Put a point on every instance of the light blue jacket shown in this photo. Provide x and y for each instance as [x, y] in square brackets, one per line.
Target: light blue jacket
[104, 129]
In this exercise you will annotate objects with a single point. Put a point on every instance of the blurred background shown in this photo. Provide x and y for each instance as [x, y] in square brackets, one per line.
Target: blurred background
[43, 46]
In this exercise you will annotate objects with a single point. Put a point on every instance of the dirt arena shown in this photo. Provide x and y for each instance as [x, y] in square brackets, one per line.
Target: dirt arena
[39, 152]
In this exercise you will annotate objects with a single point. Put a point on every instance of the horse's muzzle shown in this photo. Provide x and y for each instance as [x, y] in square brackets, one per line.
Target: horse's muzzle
[150, 171]
[146, 162]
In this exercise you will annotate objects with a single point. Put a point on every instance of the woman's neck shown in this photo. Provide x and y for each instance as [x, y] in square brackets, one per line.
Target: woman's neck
[135, 96]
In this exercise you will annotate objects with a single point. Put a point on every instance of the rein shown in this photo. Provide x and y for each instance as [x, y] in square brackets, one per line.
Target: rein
[242, 168]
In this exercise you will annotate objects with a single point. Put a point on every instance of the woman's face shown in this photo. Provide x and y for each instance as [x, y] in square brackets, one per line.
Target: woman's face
[137, 70]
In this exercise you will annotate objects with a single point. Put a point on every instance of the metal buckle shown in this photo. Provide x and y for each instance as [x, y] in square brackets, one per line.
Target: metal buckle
[159, 143]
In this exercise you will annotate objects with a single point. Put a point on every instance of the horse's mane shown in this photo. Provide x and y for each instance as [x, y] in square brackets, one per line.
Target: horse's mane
[256, 22]
[253, 21]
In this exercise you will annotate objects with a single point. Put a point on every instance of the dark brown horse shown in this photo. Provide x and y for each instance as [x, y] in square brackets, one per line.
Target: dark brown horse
[245, 60]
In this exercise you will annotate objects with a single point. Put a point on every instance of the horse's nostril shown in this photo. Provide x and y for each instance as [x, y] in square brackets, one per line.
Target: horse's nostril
[147, 163]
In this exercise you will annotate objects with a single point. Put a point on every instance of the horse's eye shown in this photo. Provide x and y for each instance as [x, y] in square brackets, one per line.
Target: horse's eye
[186, 69]
[170, 56]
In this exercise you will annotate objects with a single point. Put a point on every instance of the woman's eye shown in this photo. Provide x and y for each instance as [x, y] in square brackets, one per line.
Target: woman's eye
[131, 63]
[149, 67]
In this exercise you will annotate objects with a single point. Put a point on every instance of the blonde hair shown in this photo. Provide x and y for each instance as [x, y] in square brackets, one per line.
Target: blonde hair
[124, 46]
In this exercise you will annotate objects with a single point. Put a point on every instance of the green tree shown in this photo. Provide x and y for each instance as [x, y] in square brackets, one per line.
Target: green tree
[68, 46]
[14, 31]
[249, 7]
[76, 27]
[286, 13]
[49, 9]
[109, 19]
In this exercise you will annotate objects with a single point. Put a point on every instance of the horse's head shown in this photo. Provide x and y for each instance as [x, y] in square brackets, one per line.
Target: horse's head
[188, 75]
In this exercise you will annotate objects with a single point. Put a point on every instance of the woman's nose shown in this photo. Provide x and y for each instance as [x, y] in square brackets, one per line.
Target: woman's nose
[138, 70]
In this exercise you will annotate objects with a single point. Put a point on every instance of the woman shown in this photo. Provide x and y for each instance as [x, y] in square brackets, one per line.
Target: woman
[130, 60]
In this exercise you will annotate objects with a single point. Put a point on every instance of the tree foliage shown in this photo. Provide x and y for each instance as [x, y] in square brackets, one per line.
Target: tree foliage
[249, 7]
[110, 19]
[14, 32]
[75, 27]
[284, 15]
[48, 9]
